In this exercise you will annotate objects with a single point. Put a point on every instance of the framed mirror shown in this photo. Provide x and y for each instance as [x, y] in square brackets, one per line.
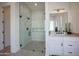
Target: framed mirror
[59, 23]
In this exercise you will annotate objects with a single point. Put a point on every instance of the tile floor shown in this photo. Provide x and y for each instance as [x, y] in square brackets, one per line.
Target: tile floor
[33, 48]
[5, 51]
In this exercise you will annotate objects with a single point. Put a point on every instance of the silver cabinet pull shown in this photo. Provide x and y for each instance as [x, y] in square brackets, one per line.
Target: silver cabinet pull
[69, 52]
[69, 45]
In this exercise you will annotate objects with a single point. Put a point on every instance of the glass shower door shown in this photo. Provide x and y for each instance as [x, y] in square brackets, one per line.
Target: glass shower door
[25, 26]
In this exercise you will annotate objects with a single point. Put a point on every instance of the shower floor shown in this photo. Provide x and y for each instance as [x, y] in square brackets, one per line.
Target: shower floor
[33, 48]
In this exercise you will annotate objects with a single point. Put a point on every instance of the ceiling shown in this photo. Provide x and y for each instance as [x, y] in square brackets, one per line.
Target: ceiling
[40, 5]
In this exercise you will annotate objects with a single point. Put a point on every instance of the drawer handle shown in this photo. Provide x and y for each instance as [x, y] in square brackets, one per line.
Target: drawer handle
[69, 52]
[69, 45]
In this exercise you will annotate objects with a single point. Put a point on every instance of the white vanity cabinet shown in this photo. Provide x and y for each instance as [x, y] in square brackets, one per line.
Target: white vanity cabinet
[63, 46]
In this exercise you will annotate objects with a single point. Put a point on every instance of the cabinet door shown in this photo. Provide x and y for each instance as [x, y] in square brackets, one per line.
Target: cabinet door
[54, 46]
[50, 46]
[58, 46]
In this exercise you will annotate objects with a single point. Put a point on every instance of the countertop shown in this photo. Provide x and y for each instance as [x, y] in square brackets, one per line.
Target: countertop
[63, 35]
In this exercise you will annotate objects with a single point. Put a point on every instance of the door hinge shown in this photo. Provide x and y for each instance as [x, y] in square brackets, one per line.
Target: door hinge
[2, 11]
[20, 16]
[20, 45]
[3, 32]
[2, 21]
[3, 42]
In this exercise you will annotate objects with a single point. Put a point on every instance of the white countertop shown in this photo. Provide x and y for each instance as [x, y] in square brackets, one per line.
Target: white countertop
[63, 35]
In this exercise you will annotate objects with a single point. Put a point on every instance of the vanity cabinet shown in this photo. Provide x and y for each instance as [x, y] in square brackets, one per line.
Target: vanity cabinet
[71, 46]
[63, 46]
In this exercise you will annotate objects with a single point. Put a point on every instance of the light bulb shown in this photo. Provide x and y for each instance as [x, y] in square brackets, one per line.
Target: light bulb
[35, 4]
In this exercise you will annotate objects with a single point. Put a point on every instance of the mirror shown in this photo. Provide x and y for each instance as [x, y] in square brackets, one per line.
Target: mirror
[59, 23]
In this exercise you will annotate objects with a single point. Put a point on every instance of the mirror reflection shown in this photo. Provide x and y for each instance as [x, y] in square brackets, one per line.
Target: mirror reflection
[59, 23]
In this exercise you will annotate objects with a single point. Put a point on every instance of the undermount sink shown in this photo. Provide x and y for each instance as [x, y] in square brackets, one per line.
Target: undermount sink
[60, 33]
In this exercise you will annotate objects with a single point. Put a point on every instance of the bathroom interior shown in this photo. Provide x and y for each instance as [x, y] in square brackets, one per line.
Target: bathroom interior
[32, 34]
[43, 28]
[49, 29]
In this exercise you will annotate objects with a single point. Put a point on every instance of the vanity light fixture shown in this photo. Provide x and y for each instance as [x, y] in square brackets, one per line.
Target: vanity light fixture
[58, 10]
[61, 10]
[35, 4]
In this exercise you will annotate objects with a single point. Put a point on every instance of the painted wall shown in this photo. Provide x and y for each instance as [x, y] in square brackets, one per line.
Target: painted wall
[74, 18]
[37, 29]
[25, 12]
[14, 27]
[46, 27]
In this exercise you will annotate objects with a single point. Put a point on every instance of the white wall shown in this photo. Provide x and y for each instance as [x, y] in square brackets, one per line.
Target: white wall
[46, 26]
[57, 5]
[24, 23]
[74, 17]
[14, 27]
[37, 29]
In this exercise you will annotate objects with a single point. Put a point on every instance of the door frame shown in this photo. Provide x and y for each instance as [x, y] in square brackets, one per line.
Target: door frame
[3, 22]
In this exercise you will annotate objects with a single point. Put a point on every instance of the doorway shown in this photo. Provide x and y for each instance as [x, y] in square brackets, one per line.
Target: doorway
[5, 29]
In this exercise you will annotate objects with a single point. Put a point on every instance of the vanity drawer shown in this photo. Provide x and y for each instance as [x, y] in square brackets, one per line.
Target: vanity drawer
[71, 52]
[74, 39]
[71, 44]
